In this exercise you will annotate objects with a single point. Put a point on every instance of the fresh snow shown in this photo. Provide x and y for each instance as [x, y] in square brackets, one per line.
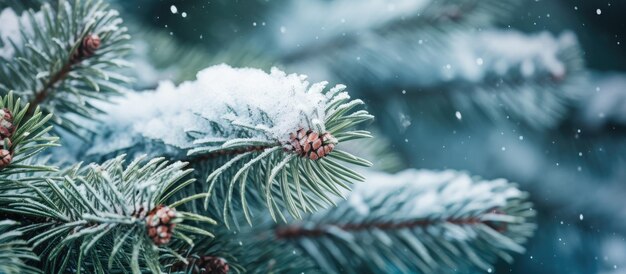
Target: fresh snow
[10, 31]
[433, 193]
[606, 100]
[11, 26]
[477, 57]
[408, 56]
[338, 17]
[504, 51]
[246, 102]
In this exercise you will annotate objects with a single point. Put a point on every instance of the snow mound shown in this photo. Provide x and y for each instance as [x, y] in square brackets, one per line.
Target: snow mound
[442, 194]
[222, 103]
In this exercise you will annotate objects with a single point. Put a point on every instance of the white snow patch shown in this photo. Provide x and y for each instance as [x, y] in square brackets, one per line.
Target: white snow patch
[504, 51]
[267, 106]
[10, 26]
[333, 18]
[435, 193]
[477, 57]
[608, 102]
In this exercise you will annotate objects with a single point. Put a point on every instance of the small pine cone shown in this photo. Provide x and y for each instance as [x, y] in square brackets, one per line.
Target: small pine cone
[87, 48]
[311, 145]
[211, 265]
[5, 158]
[159, 224]
[6, 124]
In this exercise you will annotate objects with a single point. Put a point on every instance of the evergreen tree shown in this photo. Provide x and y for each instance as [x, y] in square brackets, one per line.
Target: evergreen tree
[237, 170]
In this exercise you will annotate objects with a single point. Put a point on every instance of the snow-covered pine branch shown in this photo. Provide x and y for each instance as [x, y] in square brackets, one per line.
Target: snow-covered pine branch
[451, 58]
[350, 23]
[61, 57]
[101, 218]
[533, 78]
[259, 138]
[416, 219]
[488, 74]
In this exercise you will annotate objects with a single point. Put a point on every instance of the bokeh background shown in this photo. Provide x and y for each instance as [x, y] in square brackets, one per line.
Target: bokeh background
[529, 90]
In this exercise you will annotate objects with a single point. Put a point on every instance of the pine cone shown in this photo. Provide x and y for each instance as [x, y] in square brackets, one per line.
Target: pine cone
[311, 145]
[210, 265]
[87, 48]
[6, 124]
[5, 158]
[160, 225]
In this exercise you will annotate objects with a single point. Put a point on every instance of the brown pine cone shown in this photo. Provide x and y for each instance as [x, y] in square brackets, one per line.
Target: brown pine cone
[160, 225]
[87, 48]
[203, 265]
[211, 265]
[311, 145]
[5, 158]
[6, 124]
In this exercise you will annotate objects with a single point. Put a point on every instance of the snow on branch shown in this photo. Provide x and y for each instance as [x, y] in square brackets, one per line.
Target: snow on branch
[346, 24]
[417, 219]
[449, 53]
[10, 29]
[532, 77]
[221, 103]
[464, 58]
[608, 104]
[246, 123]
[495, 54]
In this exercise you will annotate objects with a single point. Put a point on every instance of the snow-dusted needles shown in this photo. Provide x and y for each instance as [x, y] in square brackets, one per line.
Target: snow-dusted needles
[248, 118]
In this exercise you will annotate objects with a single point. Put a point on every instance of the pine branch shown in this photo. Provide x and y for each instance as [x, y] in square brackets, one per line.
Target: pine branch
[63, 57]
[24, 137]
[443, 55]
[495, 83]
[104, 217]
[432, 19]
[259, 139]
[248, 251]
[492, 82]
[42, 95]
[430, 221]
[203, 249]
[15, 254]
[299, 231]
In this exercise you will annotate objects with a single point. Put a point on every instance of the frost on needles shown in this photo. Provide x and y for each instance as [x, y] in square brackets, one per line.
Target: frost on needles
[276, 127]
[431, 221]
[62, 57]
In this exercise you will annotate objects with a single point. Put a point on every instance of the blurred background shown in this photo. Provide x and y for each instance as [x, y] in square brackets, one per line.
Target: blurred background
[529, 90]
